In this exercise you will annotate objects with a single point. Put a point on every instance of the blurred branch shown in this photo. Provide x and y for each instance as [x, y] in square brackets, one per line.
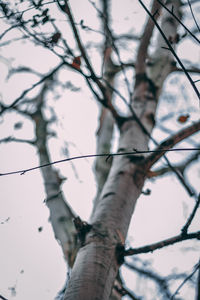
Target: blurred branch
[145, 39]
[193, 16]
[127, 36]
[185, 280]
[170, 48]
[25, 92]
[22, 69]
[161, 281]
[171, 142]
[180, 167]
[191, 2]
[110, 37]
[105, 129]
[3, 298]
[198, 286]
[13, 139]
[191, 69]
[66, 9]
[191, 217]
[124, 291]
[162, 244]
[178, 19]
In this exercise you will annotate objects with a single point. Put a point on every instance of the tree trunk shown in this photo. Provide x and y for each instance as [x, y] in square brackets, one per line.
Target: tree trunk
[99, 258]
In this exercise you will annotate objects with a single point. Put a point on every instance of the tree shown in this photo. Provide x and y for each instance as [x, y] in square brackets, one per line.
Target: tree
[96, 249]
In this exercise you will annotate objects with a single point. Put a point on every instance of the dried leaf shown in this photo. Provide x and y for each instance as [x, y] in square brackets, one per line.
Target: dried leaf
[76, 62]
[183, 118]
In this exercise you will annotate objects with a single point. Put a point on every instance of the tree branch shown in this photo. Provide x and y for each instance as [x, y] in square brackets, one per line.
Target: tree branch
[140, 65]
[191, 217]
[162, 244]
[107, 155]
[185, 280]
[170, 48]
[177, 19]
[171, 142]
[161, 281]
[25, 92]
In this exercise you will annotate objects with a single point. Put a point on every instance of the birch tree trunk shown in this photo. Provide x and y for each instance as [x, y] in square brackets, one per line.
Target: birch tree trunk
[99, 258]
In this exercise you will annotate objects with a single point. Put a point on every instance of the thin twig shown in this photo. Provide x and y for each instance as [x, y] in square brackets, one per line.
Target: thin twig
[193, 15]
[25, 92]
[171, 142]
[66, 9]
[134, 152]
[162, 244]
[185, 228]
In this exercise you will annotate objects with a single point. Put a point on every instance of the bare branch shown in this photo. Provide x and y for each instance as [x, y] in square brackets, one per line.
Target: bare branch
[144, 44]
[198, 286]
[125, 291]
[191, 69]
[13, 139]
[162, 244]
[185, 280]
[3, 298]
[180, 167]
[111, 39]
[191, 217]
[25, 92]
[189, 3]
[66, 9]
[171, 142]
[134, 152]
[161, 281]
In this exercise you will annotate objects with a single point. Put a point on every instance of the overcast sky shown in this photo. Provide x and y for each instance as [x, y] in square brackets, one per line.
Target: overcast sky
[31, 261]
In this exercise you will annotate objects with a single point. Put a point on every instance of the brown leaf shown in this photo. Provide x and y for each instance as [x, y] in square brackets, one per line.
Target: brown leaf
[76, 62]
[183, 118]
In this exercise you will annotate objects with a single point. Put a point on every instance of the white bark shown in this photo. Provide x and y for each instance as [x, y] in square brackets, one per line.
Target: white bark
[97, 262]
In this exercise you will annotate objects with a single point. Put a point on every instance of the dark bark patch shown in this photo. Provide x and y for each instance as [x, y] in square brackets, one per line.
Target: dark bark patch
[141, 78]
[62, 219]
[52, 197]
[82, 228]
[119, 252]
[135, 159]
[171, 20]
[151, 119]
[108, 194]
[121, 150]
